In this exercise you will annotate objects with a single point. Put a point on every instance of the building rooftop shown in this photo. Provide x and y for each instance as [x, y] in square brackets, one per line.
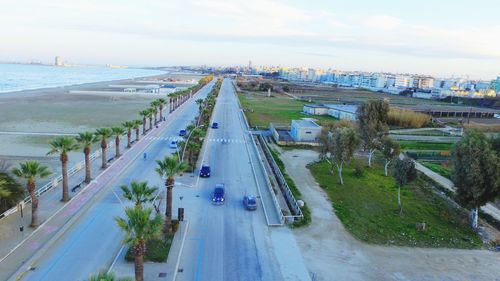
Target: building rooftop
[315, 105]
[343, 107]
[306, 123]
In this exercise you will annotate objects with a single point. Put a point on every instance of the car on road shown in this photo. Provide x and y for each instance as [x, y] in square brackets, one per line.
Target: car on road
[215, 125]
[205, 171]
[173, 144]
[250, 202]
[218, 196]
[182, 133]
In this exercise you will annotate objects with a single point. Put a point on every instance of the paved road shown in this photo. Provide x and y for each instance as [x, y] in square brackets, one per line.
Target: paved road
[227, 242]
[93, 240]
[424, 138]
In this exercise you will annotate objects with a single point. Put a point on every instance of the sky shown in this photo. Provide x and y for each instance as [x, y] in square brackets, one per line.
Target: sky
[442, 38]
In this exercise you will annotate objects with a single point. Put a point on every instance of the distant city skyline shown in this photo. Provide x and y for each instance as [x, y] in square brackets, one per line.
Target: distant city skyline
[440, 39]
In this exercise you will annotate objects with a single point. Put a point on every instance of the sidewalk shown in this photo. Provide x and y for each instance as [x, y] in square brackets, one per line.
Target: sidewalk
[448, 184]
[49, 203]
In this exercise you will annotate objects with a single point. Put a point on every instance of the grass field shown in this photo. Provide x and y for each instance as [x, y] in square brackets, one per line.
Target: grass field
[339, 95]
[367, 206]
[438, 168]
[262, 110]
[414, 145]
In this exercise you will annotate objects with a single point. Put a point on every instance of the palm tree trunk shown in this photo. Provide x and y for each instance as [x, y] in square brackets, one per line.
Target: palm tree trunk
[117, 147]
[34, 204]
[104, 159]
[144, 125]
[86, 151]
[129, 136]
[156, 115]
[137, 134]
[151, 122]
[139, 265]
[65, 193]
[161, 112]
[168, 212]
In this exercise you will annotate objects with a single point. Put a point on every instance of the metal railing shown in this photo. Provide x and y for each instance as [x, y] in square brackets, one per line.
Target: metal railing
[268, 182]
[281, 180]
[55, 181]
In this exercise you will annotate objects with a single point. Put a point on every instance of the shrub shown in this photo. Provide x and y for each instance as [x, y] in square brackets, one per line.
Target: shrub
[407, 118]
[156, 250]
[358, 170]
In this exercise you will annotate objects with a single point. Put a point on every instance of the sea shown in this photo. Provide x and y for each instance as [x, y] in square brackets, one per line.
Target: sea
[19, 77]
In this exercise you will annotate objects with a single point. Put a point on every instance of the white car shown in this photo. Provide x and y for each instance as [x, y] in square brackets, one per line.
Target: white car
[173, 144]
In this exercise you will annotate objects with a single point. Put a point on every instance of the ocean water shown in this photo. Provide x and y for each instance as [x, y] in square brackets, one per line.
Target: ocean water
[18, 77]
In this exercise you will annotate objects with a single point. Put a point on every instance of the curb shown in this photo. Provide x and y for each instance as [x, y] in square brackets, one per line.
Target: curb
[176, 267]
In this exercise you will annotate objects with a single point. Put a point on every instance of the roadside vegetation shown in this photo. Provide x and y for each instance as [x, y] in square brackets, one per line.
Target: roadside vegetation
[439, 168]
[367, 206]
[402, 118]
[11, 192]
[295, 191]
[416, 145]
[405, 209]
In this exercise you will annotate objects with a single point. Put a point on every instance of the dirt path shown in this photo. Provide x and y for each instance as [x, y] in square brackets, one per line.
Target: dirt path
[331, 253]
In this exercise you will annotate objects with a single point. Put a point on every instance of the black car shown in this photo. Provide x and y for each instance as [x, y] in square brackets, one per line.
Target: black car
[218, 197]
[215, 125]
[205, 171]
[250, 202]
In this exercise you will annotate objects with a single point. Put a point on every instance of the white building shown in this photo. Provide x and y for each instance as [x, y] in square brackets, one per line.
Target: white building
[341, 111]
[305, 131]
[58, 61]
[403, 81]
[315, 109]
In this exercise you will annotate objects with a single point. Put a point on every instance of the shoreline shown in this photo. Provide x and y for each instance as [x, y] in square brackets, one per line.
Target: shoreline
[74, 87]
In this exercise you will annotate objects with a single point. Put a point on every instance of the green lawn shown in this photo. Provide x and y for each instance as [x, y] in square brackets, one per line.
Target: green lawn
[415, 145]
[262, 110]
[438, 168]
[367, 206]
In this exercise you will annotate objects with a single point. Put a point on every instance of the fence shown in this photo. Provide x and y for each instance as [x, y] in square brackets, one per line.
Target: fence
[55, 182]
[292, 202]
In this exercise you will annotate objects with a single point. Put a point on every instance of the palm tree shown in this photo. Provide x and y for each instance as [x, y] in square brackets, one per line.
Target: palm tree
[192, 147]
[139, 193]
[104, 134]
[154, 106]
[85, 140]
[139, 228]
[150, 116]
[129, 125]
[117, 132]
[168, 168]
[199, 102]
[137, 125]
[63, 145]
[161, 102]
[144, 114]
[30, 171]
